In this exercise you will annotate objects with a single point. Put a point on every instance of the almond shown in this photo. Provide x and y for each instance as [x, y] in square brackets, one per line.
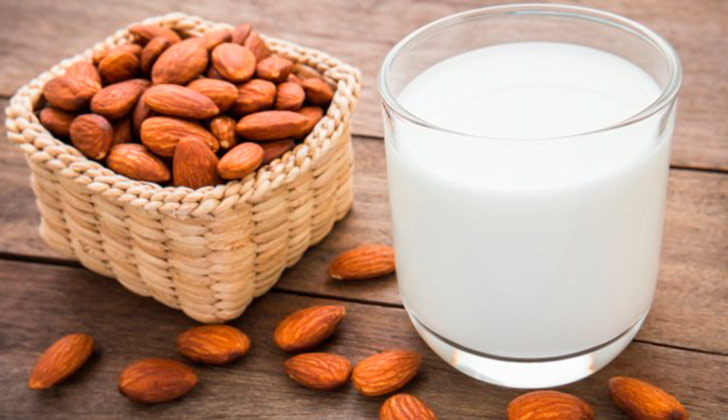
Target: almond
[69, 93]
[272, 150]
[294, 79]
[385, 372]
[151, 52]
[321, 371]
[156, 380]
[290, 96]
[306, 328]
[136, 162]
[304, 71]
[212, 73]
[317, 91]
[179, 101]
[91, 134]
[84, 70]
[546, 405]
[57, 121]
[240, 33]
[215, 37]
[406, 407]
[213, 344]
[117, 100]
[364, 262]
[122, 131]
[223, 128]
[274, 68]
[141, 113]
[240, 161]
[161, 134]
[313, 115]
[119, 65]
[271, 125]
[61, 360]
[256, 45]
[194, 164]
[99, 55]
[222, 93]
[145, 33]
[180, 63]
[644, 401]
[253, 96]
[234, 62]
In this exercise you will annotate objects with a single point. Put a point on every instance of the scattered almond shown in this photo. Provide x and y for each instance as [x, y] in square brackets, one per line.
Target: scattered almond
[222, 93]
[119, 65]
[256, 45]
[272, 150]
[547, 405]
[57, 121]
[240, 33]
[69, 93]
[317, 91]
[644, 401]
[320, 371]
[274, 68]
[240, 161]
[61, 360]
[223, 128]
[91, 134]
[99, 55]
[145, 33]
[306, 328]
[406, 407]
[151, 52]
[136, 162]
[156, 380]
[180, 63]
[253, 96]
[161, 134]
[233, 61]
[213, 344]
[194, 164]
[117, 100]
[364, 262]
[290, 96]
[84, 70]
[179, 101]
[215, 37]
[141, 113]
[271, 125]
[385, 372]
[313, 115]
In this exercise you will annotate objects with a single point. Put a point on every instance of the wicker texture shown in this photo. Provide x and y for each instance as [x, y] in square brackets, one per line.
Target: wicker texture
[209, 251]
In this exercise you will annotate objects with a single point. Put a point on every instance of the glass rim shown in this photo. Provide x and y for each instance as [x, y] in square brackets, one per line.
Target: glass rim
[667, 96]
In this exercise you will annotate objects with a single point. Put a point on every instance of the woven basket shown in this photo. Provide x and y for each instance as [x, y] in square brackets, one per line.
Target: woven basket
[208, 251]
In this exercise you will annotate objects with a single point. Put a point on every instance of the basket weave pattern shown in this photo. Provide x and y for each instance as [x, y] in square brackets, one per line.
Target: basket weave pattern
[209, 251]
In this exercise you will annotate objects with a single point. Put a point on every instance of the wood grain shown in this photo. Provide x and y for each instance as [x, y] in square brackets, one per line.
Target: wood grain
[49, 301]
[38, 33]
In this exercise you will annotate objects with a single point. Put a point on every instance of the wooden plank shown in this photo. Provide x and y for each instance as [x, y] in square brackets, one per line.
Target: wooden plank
[361, 33]
[690, 308]
[48, 301]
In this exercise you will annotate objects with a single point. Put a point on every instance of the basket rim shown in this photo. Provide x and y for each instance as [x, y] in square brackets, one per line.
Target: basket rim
[41, 147]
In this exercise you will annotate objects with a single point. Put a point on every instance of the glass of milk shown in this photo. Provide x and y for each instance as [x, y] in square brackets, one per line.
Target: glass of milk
[527, 151]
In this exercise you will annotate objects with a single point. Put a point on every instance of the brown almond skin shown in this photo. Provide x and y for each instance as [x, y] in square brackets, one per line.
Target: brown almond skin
[274, 68]
[122, 131]
[179, 101]
[240, 161]
[223, 128]
[61, 360]
[213, 344]
[233, 61]
[385, 372]
[136, 162]
[211, 73]
[364, 262]
[99, 55]
[320, 371]
[161, 134]
[69, 93]
[84, 70]
[294, 79]
[271, 125]
[194, 165]
[644, 401]
[222, 93]
[253, 96]
[212, 39]
[272, 150]
[145, 33]
[549, 405]
[57, 121]
[119, 65]
[180, 63]
[290, 96]
[91, 134]
[405, 407]
[154, 48]
[141, 112]
[117, 100]
[156, 380]
[240, 33]
[256, 45]
[313, 115]
[306, 328]
[317, 91]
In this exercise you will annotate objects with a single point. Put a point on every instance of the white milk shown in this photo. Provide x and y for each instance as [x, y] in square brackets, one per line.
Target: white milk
[528, 248]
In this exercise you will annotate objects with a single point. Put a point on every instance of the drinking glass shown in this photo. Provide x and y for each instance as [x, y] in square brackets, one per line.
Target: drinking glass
[527, 252]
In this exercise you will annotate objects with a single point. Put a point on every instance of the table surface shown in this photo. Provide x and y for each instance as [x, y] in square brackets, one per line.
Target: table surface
[683, 346]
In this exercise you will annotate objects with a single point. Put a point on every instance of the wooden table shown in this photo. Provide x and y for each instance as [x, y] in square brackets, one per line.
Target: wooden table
[682, 347]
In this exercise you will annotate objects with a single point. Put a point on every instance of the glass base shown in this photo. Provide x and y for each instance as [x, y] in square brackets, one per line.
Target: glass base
[526, 373]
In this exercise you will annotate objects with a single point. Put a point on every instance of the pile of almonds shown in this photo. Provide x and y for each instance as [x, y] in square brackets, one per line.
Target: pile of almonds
[158, 379]
[188, 112]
